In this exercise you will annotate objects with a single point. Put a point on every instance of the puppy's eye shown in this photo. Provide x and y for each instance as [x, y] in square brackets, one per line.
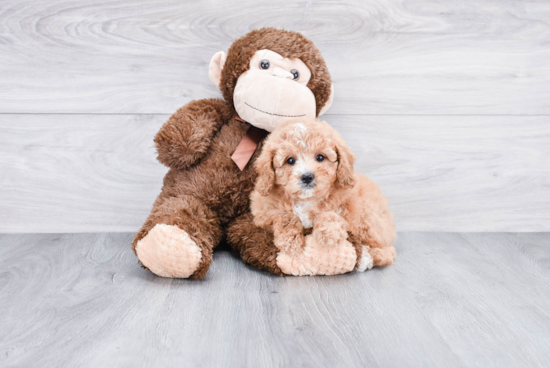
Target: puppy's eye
[295, 73]
[320, 158]
[291, 161]
[264, 64]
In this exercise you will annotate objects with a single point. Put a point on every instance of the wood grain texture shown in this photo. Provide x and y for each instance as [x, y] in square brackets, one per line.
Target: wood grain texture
[450, 300]
[79, 172]
[92, 173]
[386, 57]
[444, 102]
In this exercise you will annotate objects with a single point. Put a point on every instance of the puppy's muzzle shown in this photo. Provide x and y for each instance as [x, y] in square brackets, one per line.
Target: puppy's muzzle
[308, 180]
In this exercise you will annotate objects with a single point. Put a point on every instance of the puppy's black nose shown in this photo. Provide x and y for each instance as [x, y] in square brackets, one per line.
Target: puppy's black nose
[307, 178]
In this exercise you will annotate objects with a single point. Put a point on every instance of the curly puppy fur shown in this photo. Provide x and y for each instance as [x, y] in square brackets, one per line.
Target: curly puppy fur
[306, 180]
[204, 192]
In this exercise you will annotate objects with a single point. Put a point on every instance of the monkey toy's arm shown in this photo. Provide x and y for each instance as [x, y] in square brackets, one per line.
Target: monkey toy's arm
[186, 137]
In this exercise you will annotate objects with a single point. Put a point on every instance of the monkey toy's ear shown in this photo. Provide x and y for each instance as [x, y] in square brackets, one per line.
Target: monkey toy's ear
[216, 66]
[327, 104]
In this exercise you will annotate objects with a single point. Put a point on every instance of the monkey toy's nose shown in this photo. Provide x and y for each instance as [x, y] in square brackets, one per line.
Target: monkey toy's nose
[280, 72]
[307, 178]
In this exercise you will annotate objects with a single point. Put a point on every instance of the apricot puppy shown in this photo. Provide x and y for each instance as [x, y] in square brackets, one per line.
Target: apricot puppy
[306, 181]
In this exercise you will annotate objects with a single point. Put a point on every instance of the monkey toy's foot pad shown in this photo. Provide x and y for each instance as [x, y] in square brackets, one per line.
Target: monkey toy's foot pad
[319, 259]
[168, 251]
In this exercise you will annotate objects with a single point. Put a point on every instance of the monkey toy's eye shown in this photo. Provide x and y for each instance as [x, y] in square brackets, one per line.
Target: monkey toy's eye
[264, 64]
[320, 158]
[295, 73]
[291, 161]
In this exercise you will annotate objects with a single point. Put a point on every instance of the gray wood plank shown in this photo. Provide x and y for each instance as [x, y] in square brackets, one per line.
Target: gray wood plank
[89, 173]
[460, 281]
[84, 172]
[452, 300]
[391, 57]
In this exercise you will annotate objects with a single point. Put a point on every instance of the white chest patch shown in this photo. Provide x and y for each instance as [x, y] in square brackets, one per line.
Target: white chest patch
[300, 209]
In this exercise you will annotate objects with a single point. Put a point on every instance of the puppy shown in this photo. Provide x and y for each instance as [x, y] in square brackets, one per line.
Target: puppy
[306, 183]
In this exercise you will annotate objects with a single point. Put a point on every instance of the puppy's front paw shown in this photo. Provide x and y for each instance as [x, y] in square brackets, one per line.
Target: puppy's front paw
[290, 241]
[288, 222]
[329, 229]
[289, 233]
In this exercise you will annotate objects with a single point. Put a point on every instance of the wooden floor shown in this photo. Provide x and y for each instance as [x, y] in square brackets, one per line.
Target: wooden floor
[451, 300]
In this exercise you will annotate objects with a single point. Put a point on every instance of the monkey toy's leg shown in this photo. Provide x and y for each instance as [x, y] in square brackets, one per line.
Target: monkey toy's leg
[178, 238]
[256, 247]
[254, 244]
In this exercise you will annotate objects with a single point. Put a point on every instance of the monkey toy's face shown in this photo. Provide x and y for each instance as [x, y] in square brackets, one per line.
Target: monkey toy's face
[272, 91]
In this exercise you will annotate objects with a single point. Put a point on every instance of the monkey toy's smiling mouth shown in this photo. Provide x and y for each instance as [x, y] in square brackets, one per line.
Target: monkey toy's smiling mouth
[265, 112]
[267, 101]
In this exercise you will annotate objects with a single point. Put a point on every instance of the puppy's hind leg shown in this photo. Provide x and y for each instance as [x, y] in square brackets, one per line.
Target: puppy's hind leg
[379, 235]
[382, 256]
[377, 230]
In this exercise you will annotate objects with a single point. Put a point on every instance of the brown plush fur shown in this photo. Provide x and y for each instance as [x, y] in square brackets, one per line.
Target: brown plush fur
[204, 192]
[339, 199]
[255, 245]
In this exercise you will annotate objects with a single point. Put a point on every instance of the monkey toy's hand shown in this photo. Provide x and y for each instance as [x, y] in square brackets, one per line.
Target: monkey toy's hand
[288, 233]
[186, 137]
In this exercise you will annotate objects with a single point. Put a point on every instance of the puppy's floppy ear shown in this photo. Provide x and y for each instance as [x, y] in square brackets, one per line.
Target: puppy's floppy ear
[345, 177]
[264, 168]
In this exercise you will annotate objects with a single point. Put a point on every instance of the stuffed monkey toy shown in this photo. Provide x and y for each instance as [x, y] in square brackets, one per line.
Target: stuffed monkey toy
[268, 77]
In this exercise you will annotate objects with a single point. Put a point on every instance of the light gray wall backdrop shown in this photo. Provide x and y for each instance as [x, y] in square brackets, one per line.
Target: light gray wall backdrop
[445, 103]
